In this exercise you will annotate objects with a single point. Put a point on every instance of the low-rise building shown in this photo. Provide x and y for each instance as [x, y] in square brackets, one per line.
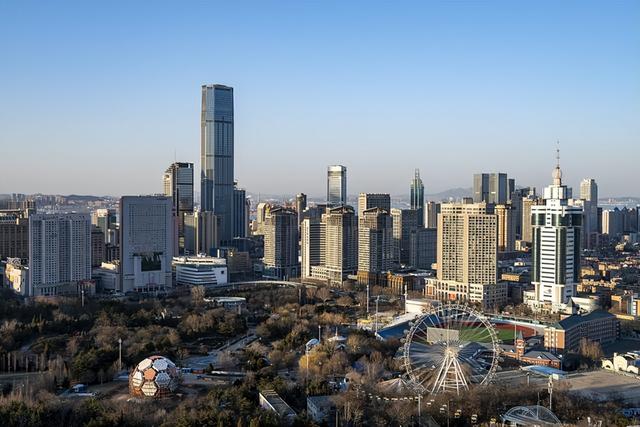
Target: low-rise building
[107, 277]
[321, 409]
[565, 335]
[16, 276]
[200, 271]
[271, 401]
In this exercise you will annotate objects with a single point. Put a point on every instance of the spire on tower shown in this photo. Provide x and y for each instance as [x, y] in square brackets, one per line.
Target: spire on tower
[557, 173]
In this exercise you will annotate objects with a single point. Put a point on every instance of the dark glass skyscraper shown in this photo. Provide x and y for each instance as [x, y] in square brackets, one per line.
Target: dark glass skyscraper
[417, 197]
[216, 157]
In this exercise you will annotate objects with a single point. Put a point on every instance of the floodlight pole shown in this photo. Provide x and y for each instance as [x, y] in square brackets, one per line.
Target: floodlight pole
[119, 354]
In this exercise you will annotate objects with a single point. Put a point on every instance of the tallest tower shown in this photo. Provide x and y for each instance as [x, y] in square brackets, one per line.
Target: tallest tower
[216, 157]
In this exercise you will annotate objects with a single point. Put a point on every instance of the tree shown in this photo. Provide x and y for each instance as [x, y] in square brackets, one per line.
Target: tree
[324, 294]
[197, 295]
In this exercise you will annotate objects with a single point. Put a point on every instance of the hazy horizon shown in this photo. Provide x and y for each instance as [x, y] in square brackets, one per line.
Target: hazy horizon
[100, 98]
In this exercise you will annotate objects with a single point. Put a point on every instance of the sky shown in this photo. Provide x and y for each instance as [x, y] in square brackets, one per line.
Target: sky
[100, 97]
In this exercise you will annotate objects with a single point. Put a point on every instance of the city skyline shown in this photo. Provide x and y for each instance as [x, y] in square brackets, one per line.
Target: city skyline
[470, 80]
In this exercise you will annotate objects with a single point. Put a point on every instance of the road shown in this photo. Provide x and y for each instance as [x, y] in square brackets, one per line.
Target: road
[202, 362]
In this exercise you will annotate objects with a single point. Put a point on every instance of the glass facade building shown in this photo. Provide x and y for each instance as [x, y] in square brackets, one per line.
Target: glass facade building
[217, 157]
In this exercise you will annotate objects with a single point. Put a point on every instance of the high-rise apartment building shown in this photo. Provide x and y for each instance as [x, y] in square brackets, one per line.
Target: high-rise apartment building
[313, 248]
[556, 245]
[146, 243]
[241, 208]
[467, 256]
[373, 200]
[336, 185]
[491, 188]
[417, 197]
[281, 243]
[14, 233]
[506, 218]
[341, 244]
[59, 253]
[217, 157]
[375, 245]
[98, 247]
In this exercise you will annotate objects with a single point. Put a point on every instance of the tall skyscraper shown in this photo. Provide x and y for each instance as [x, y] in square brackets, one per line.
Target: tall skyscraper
[178, 185]
[506, 227]
[281, 243]
[589, 197]
[341, 244]
[405, 222]
[59, 253]
[556, 245]
[423, 248]
[467, 256]
[375, 245]
[241, 210]
[200, 233]
[491, 188]
[373, 200]
[431, 211]
[336, 185]
[216, 157]
[417, 197]
[146, 243]
[301, 205]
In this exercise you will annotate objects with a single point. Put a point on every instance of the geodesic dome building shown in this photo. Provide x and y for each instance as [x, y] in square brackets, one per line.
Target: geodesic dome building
[154, 377]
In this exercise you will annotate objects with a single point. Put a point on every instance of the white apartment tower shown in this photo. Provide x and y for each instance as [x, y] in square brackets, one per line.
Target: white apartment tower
[59, 253]
[556, 245]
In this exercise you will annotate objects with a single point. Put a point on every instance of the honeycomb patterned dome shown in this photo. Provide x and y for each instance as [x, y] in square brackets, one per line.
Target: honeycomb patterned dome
[154, 377]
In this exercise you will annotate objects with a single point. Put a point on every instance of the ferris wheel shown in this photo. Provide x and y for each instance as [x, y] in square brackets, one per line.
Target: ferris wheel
[450, 348]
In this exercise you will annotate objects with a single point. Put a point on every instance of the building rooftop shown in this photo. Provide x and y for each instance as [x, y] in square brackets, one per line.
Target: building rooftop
[577, 319]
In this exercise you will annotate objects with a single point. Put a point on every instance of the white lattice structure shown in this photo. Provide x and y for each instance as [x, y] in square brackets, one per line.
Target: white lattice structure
[154, 377]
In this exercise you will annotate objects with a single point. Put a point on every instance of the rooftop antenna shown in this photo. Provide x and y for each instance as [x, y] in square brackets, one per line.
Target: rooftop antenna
[558, 153]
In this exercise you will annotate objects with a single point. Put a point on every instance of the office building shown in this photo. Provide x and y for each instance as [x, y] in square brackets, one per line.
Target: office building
[106, 221]
[527, 228]
[217, 157]
[301, 205]
[178, 185]
[467, 256]
[241, 209]
[281, 243]
[506, 227]
[375, 245]
[341, 244]
[598, 326]
[556, 246]
[59, 254]
[98, 247]
[16, 276]
[373, 200]
[201, 233]
[417, 197]
[313, 248]
[423, 248]
[431, 211]
[405, 222]
[336, 185]
[146, 243]
[14, 233]
[491, 188]
[589, 202]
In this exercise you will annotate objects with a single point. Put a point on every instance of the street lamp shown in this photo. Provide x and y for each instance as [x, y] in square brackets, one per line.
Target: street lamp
[119, 355]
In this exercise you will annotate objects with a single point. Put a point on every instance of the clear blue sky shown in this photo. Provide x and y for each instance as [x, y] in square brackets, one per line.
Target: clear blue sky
[95, 97]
